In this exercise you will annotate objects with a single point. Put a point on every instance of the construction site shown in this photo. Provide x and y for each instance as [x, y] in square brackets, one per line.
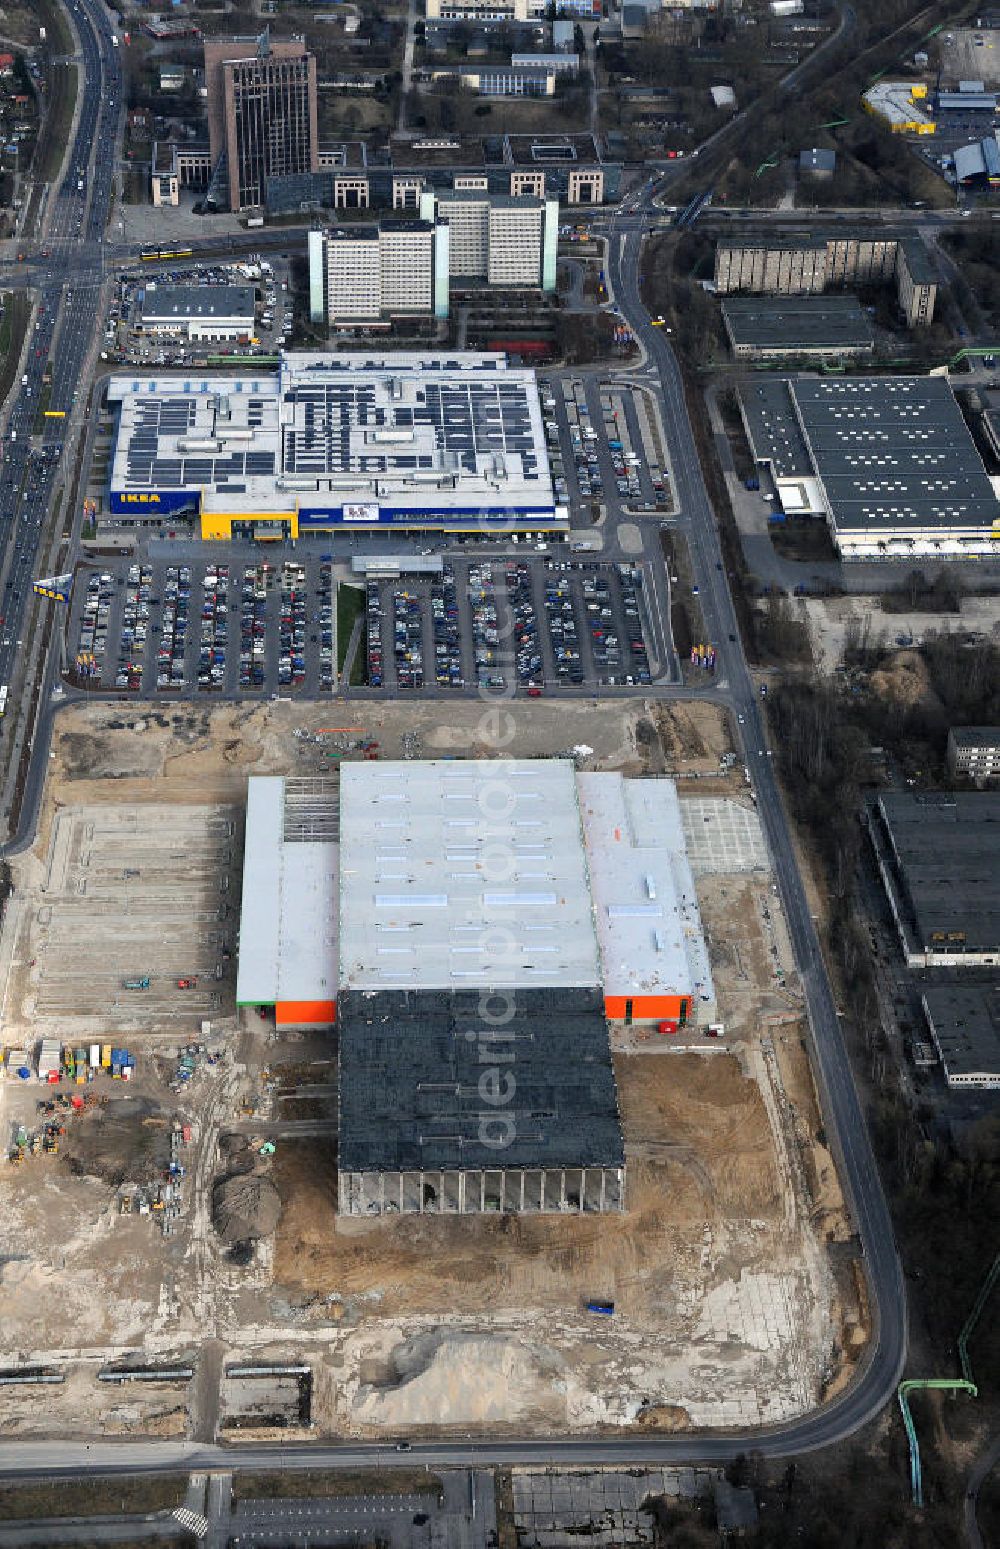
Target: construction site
[174, 1211]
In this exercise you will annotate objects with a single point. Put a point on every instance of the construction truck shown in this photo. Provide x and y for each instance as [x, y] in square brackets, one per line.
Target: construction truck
[137, 984]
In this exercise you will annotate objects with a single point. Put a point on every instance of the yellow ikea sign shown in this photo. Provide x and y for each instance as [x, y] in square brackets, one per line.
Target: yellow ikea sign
[141, 500]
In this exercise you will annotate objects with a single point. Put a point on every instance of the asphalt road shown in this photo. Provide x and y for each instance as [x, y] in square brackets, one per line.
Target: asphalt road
[842, 1108]
[981, 1470]
[64, 326]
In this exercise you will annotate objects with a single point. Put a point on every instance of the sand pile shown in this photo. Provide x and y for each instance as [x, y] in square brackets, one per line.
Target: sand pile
[463, 1379]
[245, 1208]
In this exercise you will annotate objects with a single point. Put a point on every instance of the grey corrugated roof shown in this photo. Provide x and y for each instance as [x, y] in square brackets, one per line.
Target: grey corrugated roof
[947, 852]
[411, 1090]
[807, 322]
[182, 301]
[894, 453]
[775, 437]
[965, 1023]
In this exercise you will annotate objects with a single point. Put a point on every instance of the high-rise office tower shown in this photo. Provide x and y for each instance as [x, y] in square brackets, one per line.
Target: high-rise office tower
[262, 117]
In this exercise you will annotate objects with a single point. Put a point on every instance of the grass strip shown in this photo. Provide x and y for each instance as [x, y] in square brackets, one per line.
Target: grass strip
[337, 1482]
[91, 1497]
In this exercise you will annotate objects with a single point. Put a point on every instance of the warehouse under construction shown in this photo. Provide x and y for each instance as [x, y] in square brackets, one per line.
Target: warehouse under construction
[471, 926]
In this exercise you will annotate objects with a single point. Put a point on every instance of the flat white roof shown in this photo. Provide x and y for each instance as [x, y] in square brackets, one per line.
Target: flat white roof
[288, 918]
[893, 101]
[466, 874]
[401, 432]
[645, 905]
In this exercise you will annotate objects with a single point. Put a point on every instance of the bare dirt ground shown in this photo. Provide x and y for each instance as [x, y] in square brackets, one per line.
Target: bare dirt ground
[835, 622]
[698, 1131]
[728, 1307]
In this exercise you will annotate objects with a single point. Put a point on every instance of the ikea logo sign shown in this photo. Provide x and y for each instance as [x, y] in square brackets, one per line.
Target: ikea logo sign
[160, 501]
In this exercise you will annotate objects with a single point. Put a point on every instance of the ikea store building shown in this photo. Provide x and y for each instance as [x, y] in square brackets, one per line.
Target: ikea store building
[452, 442]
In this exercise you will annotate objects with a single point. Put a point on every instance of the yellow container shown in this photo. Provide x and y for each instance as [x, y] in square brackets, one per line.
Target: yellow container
[105, 1056]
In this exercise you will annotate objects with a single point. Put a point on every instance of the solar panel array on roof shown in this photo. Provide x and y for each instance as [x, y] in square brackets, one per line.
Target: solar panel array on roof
[464, 420]
[407, 431]
[160, 428]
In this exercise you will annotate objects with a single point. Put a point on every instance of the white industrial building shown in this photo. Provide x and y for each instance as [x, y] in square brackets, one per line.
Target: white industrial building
[289, 920]
[437, 894]
[449, 876]
[468, 922]
[645, 905]
[451, 442]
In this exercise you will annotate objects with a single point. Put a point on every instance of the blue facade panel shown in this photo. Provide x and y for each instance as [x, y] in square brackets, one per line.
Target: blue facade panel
[406, 516]
[164, 501]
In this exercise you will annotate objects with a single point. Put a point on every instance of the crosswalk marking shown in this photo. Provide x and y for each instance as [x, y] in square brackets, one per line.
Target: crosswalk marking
[192, 1520]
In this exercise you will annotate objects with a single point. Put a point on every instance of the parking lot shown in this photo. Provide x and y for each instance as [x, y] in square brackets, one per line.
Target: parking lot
[537, 623]
[233, 629]
[604, 447]
[243, 627]
[125, 341]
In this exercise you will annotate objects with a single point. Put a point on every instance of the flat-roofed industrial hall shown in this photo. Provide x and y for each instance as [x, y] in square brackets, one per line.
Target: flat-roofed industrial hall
[470, 926]
[939, 857]
[889, 462]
